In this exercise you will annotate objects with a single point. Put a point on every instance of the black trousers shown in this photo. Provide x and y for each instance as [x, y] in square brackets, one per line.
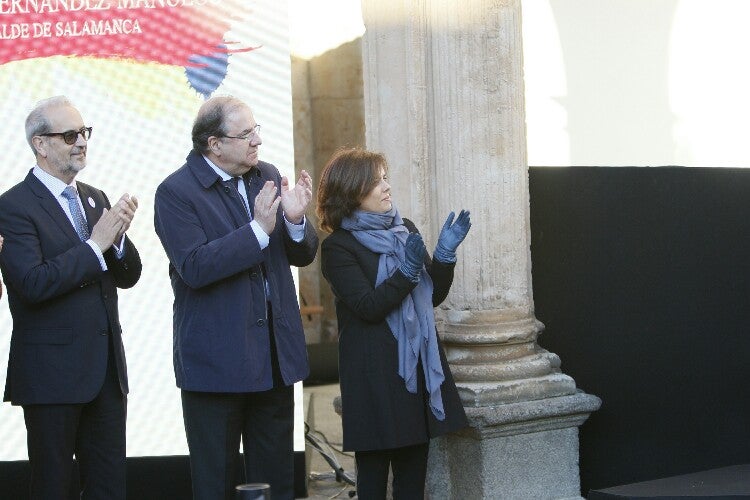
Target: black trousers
[409, 465]
[214, 424]
[94, 432]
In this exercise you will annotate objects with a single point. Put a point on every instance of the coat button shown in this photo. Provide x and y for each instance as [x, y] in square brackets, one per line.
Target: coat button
[253, 275]
[260, 322]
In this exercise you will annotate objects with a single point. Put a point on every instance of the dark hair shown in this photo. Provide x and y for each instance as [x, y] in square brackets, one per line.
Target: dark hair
[347, 178]
[210, 120]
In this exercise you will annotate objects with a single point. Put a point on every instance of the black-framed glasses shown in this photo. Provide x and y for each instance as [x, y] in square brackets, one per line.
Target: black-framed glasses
[71, 136]
[254, 132]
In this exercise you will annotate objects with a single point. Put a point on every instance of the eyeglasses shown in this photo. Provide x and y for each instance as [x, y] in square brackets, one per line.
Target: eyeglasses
[71, 136]
[255, 132]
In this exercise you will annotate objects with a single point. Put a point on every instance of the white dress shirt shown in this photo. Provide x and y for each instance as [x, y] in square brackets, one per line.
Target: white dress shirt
[296, 231]
[56, 187]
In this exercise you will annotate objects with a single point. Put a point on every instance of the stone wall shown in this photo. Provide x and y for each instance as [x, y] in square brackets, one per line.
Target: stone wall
[328, 110]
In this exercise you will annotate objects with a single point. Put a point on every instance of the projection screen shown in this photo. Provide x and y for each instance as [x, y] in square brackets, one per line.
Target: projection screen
[138, 71]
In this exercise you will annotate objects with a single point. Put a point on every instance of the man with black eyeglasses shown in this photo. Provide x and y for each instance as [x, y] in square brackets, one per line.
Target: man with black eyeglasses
[64, 255]
[231, 226]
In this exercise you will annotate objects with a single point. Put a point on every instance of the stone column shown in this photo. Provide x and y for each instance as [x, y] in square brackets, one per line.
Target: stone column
[444, 100]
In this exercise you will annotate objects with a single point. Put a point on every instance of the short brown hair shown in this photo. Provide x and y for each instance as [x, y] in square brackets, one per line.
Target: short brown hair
[347, 178]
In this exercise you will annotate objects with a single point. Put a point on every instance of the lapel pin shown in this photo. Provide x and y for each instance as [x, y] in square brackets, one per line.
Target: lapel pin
[91, 202]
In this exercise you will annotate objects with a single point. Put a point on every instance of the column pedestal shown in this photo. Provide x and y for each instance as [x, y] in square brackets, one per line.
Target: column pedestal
[515, 451]
[523, 412]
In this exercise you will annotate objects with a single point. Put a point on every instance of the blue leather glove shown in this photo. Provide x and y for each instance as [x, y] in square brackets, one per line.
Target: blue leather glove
[452, 234]
[414, 254]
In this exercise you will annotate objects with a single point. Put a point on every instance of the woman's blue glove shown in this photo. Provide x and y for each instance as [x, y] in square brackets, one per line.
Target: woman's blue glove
[414, 253]
[452, 234]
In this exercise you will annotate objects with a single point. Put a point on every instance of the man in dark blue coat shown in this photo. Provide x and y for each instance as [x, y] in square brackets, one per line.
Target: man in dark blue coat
[64, 255]
[231, 226]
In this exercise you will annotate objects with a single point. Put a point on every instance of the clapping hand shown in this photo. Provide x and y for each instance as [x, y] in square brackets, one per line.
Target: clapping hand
[294, 201]
[414, 253]
[452, 234]
[266, 206]
[125, 209]
[106, 229]
[114, 222]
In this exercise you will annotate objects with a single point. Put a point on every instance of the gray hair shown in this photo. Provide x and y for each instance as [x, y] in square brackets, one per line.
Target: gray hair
[37, 122]
[210, 120]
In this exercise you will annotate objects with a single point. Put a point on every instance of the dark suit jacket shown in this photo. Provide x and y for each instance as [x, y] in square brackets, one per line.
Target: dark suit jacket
[216, 265]
[377, 411]
[64, 306]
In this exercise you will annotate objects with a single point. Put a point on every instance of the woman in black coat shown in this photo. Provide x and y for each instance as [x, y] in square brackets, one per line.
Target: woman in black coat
[397, 390]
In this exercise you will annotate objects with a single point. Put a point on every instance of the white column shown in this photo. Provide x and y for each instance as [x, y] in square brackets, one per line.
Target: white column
[395, 83]
[444, 101]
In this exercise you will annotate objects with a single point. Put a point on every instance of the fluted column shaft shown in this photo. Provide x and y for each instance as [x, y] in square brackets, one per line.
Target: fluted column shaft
[444, 100]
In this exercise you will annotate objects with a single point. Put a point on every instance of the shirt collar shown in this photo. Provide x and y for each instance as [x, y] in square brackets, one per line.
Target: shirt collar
[55, 185]
[224, 176]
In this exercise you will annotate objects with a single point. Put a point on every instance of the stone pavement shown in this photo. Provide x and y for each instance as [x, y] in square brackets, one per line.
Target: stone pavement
[325, 423]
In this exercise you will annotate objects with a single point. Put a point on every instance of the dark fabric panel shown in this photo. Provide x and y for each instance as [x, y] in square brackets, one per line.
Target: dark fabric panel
[641, 278]
[715, 484]
[149, 478]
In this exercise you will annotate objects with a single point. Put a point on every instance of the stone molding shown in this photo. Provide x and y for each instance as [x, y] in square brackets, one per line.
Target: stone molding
[530, 416]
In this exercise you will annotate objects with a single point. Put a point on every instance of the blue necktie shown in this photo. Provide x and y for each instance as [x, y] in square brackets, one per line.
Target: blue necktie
[79, 221]
[245, 201]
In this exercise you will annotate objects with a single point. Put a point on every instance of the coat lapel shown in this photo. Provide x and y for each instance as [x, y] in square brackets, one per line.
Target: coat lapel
[89, 197]
[226, 192]
[51, 206]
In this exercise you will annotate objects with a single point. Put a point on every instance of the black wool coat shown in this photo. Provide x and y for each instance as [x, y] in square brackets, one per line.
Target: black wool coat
[377, 411]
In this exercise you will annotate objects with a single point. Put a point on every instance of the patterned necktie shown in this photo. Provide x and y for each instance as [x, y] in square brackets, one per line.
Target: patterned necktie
[79, 221]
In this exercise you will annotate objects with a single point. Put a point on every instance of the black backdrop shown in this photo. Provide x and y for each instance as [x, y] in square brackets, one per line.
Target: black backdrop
[641, 278]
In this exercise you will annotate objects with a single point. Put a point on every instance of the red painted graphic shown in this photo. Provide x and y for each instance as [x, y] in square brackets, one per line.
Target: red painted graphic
[162, 31]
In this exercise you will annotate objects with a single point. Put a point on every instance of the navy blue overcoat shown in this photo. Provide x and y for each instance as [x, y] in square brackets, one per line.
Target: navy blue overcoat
[217, 269]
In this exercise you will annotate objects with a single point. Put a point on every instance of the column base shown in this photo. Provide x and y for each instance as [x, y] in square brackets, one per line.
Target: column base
[516, 451]
[500, 393]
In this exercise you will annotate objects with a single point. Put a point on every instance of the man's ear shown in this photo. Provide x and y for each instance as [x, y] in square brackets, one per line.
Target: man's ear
[39, 146]
[214, 145]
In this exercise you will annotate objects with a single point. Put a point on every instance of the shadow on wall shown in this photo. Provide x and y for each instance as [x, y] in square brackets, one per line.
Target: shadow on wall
[616, 69]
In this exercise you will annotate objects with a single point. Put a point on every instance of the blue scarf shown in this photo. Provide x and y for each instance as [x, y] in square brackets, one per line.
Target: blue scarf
[413, 321]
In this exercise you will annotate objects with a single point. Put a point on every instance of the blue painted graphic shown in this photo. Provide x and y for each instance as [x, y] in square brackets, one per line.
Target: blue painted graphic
[209, 71]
